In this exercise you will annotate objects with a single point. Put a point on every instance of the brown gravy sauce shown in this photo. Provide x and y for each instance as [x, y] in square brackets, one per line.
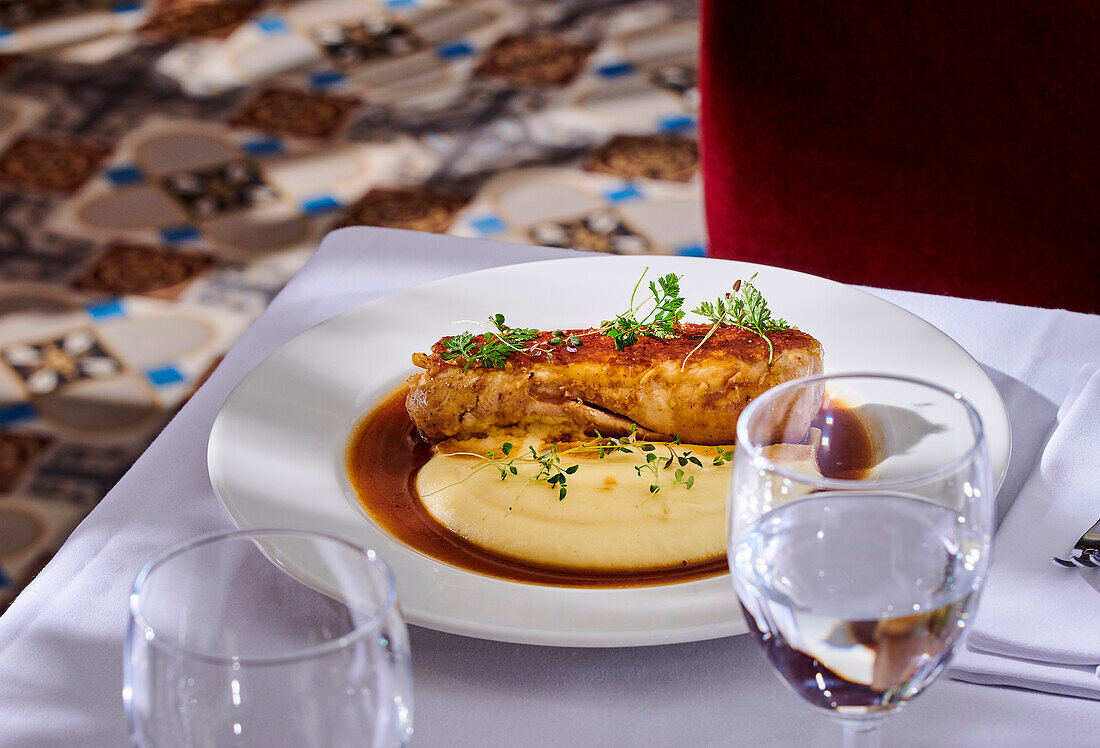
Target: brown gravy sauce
[843, 426]
[385, 453]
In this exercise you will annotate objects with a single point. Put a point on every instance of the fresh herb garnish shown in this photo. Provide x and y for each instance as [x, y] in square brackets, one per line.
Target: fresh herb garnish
[495, 348]
[746, 308]
[658, 315]
[657, 458]
[558, 337]
[659, 322]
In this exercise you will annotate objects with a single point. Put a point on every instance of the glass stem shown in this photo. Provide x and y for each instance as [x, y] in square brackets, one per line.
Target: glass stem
[861, 733]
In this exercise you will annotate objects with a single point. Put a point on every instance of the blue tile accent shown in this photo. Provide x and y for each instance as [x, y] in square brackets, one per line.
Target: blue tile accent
[261, 148]
[325, 78]
[320, 204]
[487, 225]
[121, 176]
[692, 250]
[401, 4]
[5, 32]
[676, 123]
[271, 24]
[106, 309]
[622, 194]
[454, 49]
[615, 70]
[15, 413]
[182, 233]
[165, 375]
[126, 6]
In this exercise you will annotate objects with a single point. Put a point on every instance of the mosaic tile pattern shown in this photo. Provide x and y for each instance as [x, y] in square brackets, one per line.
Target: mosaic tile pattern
[167, 165]
[53, 164]
[183, 19]
[534, 60]
[296, 113]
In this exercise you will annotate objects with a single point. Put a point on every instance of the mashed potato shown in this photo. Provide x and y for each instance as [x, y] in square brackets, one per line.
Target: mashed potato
[609, 521]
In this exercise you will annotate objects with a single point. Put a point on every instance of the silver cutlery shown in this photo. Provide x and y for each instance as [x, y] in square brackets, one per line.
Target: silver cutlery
[1085, 553]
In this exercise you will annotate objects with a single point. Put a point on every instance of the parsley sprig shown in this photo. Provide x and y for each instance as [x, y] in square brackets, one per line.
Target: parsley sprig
[659, 321]
[746, 308]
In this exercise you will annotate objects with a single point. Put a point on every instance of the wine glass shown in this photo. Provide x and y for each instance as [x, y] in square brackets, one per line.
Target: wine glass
[267, 637]
[861, 511]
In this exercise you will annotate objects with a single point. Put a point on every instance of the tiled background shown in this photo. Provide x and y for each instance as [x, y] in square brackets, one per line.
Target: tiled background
[165, 167]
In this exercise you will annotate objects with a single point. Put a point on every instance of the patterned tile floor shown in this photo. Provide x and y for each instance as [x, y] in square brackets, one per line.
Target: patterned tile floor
[166, 166]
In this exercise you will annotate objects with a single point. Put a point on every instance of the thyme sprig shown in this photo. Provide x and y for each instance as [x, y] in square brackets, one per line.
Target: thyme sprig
[658, 457]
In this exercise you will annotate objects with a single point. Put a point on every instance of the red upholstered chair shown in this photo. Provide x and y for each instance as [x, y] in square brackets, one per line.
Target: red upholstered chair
[933, 146]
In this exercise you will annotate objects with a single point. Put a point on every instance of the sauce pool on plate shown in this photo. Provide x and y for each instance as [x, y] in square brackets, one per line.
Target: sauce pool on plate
[383, 457]
[385, 454]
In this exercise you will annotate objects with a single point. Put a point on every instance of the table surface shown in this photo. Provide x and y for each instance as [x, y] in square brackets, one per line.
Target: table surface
[61, 642]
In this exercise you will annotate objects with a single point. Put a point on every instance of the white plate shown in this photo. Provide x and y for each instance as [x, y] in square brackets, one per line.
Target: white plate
[276, 452]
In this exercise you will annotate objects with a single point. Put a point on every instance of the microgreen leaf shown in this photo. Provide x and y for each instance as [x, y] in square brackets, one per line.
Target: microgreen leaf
[746, 308]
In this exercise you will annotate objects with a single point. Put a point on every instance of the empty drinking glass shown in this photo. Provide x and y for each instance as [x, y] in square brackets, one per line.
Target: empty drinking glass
[267, 637]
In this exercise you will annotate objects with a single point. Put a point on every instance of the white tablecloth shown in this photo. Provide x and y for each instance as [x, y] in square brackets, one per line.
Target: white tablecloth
[61, 641]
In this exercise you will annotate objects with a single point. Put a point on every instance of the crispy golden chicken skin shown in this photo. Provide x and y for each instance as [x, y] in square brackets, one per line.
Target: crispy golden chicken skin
[595, 388]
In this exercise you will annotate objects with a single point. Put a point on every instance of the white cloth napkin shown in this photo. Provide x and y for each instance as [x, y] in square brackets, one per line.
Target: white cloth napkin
[1038, 625]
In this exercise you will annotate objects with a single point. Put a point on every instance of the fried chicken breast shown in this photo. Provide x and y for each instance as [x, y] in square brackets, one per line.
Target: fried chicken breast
[595, 388]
